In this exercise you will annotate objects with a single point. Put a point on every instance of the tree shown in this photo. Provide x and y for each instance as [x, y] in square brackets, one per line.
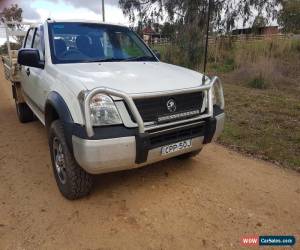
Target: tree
[225, 13]
[11, 14]
[259, 22]
[190, 17]
[289, 16]
[168, 30]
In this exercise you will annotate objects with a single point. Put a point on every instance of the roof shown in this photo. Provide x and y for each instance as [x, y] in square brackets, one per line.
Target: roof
[262, 27]
[149, 30]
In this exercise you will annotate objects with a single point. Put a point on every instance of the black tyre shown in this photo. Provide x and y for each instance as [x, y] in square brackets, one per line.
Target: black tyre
[72, 181]
[189, 155]
[24, 113]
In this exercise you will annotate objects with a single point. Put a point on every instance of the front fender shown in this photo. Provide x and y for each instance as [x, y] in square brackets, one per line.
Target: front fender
[58, 103]
[56, 108]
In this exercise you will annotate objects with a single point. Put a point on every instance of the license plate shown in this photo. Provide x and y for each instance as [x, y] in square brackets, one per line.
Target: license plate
[178, 146]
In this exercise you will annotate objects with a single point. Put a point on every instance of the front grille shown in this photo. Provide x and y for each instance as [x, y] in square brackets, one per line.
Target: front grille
[176, 136]
[152, 108]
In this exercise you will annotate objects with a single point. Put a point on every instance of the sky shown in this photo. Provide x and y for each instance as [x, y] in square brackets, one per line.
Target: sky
[40, 10]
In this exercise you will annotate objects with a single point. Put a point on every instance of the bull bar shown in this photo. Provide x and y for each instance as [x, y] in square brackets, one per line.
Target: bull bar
[129, 100]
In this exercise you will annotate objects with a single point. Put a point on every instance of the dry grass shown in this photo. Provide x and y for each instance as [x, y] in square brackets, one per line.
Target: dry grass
[264, 123]
[262, 89]
[276, 62]
[263, 105]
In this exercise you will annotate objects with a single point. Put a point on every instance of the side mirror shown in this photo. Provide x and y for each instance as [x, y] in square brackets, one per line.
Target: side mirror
[31, 58]
[156, 52]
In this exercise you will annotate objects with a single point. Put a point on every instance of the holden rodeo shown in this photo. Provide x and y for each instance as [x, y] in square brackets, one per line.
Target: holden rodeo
[107, 101]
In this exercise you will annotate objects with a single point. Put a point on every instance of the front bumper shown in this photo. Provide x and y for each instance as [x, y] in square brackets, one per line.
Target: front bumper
[114, 154]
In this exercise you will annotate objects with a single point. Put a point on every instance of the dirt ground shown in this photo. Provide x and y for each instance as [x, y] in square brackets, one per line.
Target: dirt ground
[209, 202]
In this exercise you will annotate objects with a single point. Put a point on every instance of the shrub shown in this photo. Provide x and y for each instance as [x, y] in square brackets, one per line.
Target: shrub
[225, 66]
[258, 83]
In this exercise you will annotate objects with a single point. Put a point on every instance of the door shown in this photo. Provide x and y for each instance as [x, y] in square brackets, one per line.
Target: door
[40, 88]
[34, 88]
[25, 70]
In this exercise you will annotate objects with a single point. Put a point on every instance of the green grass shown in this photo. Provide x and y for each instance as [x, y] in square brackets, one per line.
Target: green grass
[226, 66]
[258, 83]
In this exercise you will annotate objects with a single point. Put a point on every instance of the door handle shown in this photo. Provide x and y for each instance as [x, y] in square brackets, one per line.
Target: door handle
[28, 71]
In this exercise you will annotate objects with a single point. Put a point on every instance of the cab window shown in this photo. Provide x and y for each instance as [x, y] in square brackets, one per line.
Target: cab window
[38, 42]
[29, 38]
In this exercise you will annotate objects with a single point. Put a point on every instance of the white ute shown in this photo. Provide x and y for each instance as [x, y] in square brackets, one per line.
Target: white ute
[107, 101]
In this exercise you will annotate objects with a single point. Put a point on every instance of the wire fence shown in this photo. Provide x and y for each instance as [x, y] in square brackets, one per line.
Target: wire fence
[235, 39]
[159, 41]
[251, 38]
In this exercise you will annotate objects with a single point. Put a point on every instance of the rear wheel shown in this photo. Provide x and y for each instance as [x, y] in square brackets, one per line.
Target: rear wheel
[24, 113]
[189, 155]
[72, 181]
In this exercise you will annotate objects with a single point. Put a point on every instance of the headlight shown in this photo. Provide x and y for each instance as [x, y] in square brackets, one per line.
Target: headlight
[217, 95]
[104, 111]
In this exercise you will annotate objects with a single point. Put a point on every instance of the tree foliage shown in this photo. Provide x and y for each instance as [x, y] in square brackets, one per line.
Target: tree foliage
[289, 16]
[224, 13]
[168, 29]
[190, 18]
[258, 23]
[12, 13]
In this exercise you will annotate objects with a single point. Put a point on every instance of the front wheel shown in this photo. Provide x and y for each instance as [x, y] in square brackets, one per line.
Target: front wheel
[72, 181]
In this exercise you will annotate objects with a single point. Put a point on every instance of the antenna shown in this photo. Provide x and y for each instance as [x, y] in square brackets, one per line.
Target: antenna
[103, 11]
[206, 42]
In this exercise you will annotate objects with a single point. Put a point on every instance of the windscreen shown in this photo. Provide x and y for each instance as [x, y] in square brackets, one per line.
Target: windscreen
[89, 42]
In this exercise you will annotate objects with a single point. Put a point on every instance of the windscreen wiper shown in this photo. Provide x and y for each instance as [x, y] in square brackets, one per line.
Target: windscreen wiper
[140, 58]
[109, 60]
